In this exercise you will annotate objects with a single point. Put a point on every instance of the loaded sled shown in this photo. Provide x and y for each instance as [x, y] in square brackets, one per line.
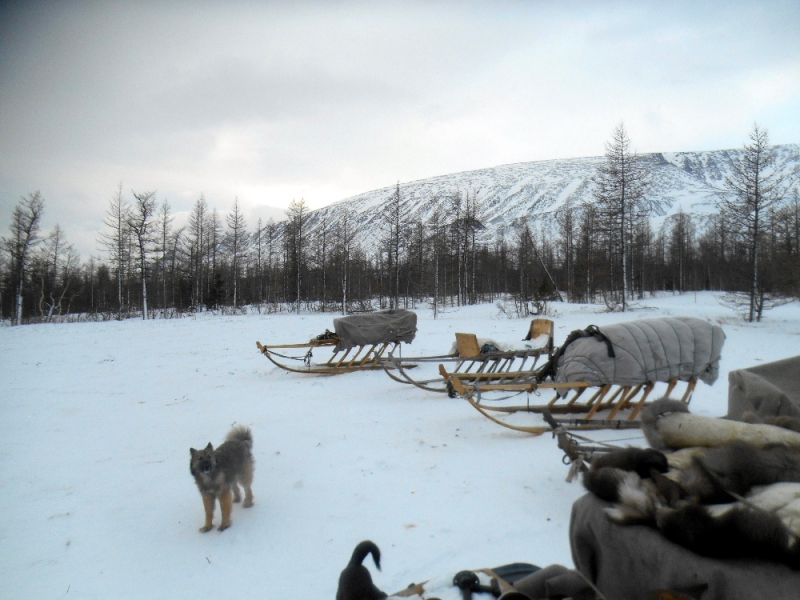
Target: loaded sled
[601, 377]
[475, 359]
[358, 343]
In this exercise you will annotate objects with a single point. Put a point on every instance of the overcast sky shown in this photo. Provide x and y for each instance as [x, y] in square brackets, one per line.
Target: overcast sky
[270, 101]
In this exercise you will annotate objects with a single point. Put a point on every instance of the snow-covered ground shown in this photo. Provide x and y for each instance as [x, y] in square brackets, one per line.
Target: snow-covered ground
[96, 422]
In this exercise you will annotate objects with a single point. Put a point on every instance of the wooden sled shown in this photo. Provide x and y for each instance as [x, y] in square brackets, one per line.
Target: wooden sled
[601, 378]
[358, 358]
[606, 406]
[359, 343]
[471, 364]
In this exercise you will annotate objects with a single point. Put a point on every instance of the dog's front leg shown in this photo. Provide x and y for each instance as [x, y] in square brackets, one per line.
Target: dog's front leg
[225, 504]
[208, 505]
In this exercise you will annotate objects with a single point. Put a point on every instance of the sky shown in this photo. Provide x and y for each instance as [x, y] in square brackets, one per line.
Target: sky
[266, 102]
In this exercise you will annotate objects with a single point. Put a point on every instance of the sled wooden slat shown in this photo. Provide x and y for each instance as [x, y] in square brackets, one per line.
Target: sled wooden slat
[621, 402]
[687, 396]
[635, 411]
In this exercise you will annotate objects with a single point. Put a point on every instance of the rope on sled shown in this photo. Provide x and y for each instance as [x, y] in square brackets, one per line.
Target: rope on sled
[478, 395]
[306, 359]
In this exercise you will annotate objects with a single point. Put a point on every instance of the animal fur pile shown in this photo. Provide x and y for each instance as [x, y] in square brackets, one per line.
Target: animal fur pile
[729, 501]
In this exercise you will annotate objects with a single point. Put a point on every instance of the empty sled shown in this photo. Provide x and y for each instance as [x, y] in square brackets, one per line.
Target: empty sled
[601, 377]
[358, 342]
[476, 359]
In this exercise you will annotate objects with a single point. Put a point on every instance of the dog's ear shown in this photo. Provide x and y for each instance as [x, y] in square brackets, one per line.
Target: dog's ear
[192, 451]
[209, 447]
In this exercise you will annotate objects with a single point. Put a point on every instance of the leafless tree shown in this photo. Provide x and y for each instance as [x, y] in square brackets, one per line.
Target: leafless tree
[165, 242]
[436, 226]
[567, 227]
[115, 241]
[142, 224]
[295, 233]
[620, 187]
[393, 224]
[754, 187]
[59, 265]
[25, 224]
[321, 242]
[345, 237]
[681, 241]
[271, 240]
[237, 244]
[198, 242]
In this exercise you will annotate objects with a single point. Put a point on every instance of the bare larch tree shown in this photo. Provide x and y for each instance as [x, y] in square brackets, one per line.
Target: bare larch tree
[25, 222]
[141, 223]
[620, 186]
[115, 241]
[295, 232]
[754, 187]
[237, 244]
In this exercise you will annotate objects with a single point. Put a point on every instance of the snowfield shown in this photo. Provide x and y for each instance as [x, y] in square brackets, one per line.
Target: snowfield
[97, 421]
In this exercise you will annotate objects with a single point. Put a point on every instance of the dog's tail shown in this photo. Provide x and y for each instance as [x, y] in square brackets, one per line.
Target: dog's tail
[240, 433]
[361, 551]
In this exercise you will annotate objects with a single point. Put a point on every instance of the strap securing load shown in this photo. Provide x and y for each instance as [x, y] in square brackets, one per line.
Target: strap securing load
[551, 367]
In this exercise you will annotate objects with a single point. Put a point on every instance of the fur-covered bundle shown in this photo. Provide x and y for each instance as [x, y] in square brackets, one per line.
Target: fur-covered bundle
[731, 501]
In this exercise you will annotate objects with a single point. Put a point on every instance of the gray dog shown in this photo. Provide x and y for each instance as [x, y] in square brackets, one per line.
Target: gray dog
[217, 474]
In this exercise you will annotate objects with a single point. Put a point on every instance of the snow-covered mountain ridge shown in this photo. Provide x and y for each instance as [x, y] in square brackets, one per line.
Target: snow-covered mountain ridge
[537, 190]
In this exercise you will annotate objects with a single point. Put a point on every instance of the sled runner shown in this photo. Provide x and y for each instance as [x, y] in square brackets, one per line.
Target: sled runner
[475, 359]
[358, 343]
[602, 377]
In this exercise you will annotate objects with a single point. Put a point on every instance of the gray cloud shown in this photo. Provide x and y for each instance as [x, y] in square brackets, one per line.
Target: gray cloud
[274, 101]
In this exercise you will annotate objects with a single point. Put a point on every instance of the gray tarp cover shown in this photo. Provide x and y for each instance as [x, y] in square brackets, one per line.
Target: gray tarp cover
[770, 390]
[375, 328]
[646, 350]
[625, 561]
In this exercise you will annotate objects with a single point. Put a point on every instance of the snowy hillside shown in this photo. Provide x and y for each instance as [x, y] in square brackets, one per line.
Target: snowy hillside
[97, 419]
[684, 180]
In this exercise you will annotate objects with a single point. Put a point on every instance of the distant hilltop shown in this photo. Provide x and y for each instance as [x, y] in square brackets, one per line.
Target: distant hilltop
[538, 190]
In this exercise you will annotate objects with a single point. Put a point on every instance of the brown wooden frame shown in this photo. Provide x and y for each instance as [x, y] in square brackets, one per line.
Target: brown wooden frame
[357, 358]
[617, 399]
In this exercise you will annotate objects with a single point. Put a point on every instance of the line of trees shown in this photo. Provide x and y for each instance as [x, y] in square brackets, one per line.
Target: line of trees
[605, 251]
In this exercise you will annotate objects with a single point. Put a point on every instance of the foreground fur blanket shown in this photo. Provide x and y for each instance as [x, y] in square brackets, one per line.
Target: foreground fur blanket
[627, 561]
[713, 522]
